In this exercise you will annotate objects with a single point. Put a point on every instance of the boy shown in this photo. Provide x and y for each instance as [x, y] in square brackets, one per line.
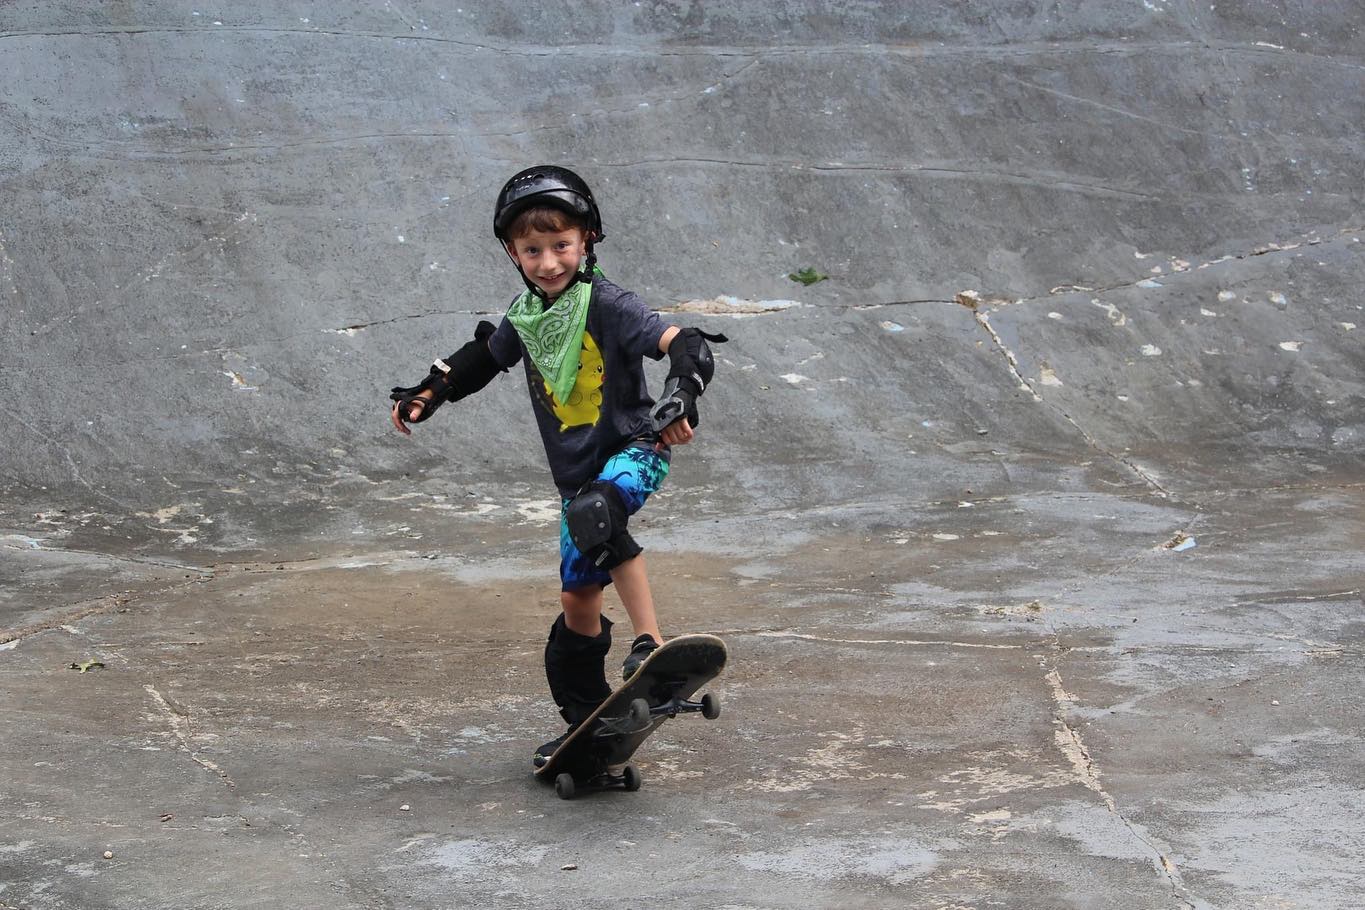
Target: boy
[581, 340]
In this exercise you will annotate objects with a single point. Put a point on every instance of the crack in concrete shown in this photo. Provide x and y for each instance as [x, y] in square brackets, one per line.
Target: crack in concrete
[362, 326]
[1073, 747]
[972, 301]
[908, 642]
[179, 719]
[919, 50]
[1044, 180]
[111, 557]
[65, 453]
[1070, 742]
[635, 108]
[1312, 649]
[91, 608]
[1269, 248]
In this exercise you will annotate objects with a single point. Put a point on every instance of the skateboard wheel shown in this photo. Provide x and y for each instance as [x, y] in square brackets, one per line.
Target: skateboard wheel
[564, 786]
[632, 778]
[710, 706]
[639, 712]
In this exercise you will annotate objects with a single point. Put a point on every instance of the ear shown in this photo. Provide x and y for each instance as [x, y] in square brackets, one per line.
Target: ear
[512, 251]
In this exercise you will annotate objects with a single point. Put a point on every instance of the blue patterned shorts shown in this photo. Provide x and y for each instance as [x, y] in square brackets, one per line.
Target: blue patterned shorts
[637, 471]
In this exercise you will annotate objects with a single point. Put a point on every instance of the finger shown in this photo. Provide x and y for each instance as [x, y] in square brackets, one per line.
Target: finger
[676, 434]
[398, 421]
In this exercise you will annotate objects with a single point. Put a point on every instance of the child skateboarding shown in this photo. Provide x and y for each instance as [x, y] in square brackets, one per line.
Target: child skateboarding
[581, 341]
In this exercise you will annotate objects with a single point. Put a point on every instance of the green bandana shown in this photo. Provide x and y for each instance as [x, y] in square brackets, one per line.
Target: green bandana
[554, 337]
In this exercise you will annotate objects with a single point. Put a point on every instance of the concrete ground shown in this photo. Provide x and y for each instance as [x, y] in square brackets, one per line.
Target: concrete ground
[1034, 531]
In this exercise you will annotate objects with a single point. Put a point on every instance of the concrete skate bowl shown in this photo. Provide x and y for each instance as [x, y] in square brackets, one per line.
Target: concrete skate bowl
[1087, 313]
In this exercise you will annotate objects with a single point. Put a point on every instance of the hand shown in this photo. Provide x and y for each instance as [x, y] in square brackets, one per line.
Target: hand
[414, 412]
[678, 433]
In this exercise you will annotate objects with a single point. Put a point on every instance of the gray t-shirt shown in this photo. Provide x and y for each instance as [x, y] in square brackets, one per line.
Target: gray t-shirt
[609, 406]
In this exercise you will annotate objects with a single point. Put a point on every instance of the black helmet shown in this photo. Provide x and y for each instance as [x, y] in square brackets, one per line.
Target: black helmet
[545, 184]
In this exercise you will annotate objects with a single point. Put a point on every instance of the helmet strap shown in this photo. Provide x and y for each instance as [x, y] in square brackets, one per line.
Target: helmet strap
[589, 264]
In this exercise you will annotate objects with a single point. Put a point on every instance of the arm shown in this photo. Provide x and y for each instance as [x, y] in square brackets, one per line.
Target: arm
[458, 376]
[690, 371]
[669, 334]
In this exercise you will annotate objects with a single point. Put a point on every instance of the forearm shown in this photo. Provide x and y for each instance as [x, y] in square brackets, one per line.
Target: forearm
[669, 334]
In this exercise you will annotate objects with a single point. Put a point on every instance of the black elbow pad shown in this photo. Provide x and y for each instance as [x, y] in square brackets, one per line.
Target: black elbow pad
[690, 360]
[471, 367]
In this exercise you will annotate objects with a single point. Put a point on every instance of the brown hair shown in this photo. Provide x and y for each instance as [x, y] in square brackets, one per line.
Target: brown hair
[545, 218]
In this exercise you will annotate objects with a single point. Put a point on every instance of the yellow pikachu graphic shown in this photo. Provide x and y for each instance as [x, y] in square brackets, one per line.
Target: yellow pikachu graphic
[584, 406]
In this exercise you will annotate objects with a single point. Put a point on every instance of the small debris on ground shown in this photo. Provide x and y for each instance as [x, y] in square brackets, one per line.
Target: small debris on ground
[1179, 543]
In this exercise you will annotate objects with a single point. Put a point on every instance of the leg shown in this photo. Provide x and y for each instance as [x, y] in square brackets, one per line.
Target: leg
[575, 668]
[596, 548]
[632, 584]
[583, 610]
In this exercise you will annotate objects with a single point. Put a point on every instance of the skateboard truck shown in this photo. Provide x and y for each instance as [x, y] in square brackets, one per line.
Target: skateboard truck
[709, 706]
[628, 779]
[641, 714]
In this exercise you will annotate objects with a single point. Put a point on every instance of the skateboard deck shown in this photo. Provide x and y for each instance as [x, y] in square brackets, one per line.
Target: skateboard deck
[660, 689]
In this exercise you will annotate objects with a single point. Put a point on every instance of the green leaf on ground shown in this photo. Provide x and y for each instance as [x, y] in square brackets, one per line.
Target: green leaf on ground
[807, 276]
[88, 665]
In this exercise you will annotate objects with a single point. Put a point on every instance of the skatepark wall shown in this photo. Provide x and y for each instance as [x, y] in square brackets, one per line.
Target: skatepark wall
[1063, 246]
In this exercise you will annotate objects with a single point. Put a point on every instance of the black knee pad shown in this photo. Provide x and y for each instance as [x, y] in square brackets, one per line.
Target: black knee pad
[597, 520]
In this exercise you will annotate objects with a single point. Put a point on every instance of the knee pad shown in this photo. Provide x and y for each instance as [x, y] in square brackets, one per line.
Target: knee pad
[597, 520]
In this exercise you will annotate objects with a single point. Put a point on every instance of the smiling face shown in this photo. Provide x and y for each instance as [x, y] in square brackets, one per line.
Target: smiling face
[549, 258]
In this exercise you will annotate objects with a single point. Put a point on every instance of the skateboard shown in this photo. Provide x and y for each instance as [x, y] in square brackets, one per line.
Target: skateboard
[662, 688]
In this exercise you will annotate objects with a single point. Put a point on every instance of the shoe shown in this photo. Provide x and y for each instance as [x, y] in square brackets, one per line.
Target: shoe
[639, 653]
[543, 754]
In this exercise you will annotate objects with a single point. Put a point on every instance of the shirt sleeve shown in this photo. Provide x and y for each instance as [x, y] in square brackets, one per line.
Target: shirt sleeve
[639, 327]
[505, 344]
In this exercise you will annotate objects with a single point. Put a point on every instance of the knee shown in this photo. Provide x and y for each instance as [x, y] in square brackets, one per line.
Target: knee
[597, 520]
[582, 608]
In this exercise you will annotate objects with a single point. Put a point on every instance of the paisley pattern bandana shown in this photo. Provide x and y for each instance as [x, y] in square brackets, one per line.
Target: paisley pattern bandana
[554, 336]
